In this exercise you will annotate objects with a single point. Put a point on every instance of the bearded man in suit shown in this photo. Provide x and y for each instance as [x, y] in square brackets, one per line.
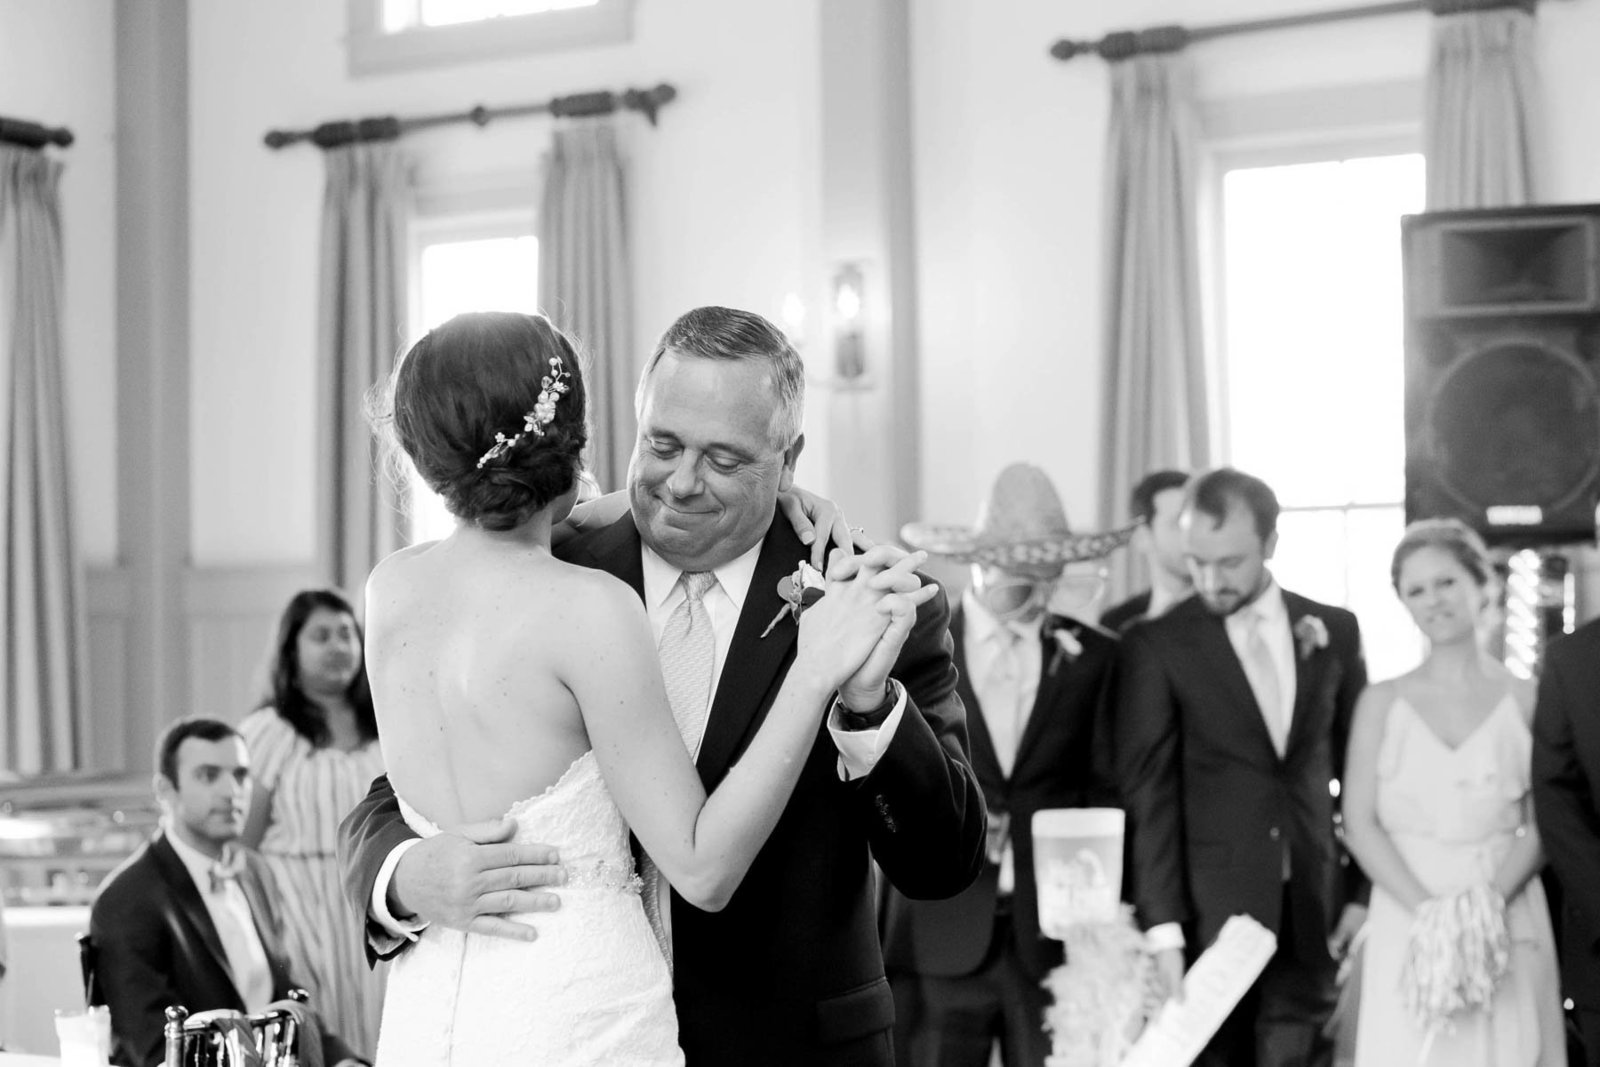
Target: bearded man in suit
[790, 972]
[1566, 803]
[188, 919]
[966, 971]
[1233, 713]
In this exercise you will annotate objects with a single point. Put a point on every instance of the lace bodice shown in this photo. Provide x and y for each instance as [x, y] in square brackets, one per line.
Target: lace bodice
[575, 814]
[592, 990]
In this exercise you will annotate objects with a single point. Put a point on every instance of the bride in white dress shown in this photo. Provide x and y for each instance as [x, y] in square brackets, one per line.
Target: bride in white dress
[1437, 800]
[509, 683]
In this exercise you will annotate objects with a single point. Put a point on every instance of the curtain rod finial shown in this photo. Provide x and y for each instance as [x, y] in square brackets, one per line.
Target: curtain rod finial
[1065, 49]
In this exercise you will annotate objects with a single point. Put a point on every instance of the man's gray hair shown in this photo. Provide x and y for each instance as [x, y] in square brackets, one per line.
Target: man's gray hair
[731, 334]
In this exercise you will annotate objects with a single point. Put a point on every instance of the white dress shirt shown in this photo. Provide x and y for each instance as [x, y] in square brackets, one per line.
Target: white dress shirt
[230, 913]
[1004, 697]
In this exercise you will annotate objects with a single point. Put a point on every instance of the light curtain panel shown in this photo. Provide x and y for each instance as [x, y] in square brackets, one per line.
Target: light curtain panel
[42, 630]
[361, 328]
[1483, 128]
[1156, 403]
[584, 282]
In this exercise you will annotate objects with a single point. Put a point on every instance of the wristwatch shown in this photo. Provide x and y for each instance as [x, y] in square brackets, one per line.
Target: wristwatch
[870, 720]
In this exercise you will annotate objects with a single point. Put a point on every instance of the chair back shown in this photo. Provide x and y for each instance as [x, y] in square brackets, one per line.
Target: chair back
[233, 1039]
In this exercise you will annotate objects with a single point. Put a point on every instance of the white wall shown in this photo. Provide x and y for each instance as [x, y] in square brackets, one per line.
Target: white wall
[1009, 152]
[55, 69]
[718, 197]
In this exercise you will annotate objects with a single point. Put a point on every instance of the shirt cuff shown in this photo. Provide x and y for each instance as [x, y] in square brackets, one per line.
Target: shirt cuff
[860, 750]
[1163, 936]
[378, 906]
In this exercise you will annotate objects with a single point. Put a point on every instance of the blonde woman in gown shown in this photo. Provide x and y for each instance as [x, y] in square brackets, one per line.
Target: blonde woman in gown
[1436, 801]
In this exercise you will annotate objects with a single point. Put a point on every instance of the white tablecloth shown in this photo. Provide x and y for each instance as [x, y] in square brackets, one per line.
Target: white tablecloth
[42, 975]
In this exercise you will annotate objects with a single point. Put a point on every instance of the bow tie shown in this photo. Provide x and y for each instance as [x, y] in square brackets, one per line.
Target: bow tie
[225, 870]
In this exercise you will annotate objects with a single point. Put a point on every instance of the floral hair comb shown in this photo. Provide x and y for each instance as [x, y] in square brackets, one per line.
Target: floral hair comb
[543, 414]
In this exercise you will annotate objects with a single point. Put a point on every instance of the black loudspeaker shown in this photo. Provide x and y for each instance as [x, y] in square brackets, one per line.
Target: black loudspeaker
[1503, 370]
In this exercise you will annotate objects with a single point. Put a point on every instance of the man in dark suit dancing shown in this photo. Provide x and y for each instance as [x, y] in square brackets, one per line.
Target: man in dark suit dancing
[188, 919]
[791, 972]
[1566, 803]
[1234, 709]
[967, 971]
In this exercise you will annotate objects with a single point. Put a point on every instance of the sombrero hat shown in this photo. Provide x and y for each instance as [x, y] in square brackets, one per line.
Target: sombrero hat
[1022, 528]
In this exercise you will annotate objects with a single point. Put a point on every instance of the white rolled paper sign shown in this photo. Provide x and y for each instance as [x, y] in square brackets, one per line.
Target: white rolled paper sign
[1077, 865]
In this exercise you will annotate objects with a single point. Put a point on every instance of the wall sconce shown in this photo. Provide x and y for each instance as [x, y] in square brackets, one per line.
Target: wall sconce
[793, 317]
[849, 333]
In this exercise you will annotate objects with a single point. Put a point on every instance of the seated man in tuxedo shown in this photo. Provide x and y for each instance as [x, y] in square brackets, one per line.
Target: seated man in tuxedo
[188, 919]
[1155, 503]
[966, 972]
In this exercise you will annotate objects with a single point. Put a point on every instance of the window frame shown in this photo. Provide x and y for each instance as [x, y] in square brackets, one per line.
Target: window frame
[488, 209]
[1317, 126]
[372, 50]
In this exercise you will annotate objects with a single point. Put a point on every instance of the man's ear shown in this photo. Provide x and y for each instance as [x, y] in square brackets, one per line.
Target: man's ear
[165, 791]
[791, 456]
[1270, 545]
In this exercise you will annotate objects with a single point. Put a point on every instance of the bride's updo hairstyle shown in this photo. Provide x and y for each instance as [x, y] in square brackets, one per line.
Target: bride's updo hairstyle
[483, 374]
[1447, 535]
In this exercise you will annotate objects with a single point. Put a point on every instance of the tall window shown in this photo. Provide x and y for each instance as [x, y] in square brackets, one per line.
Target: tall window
[489, 264]
[408, 14]
[395, 36]
[1313, 373]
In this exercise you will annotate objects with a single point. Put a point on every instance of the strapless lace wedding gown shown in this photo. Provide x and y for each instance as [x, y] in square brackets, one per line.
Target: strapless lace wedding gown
[593, 989]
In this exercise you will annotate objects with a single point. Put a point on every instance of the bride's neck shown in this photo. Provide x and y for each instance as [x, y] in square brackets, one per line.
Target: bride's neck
[535, 533]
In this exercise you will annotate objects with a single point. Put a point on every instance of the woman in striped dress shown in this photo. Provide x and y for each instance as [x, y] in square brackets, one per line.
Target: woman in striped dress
[313, 753]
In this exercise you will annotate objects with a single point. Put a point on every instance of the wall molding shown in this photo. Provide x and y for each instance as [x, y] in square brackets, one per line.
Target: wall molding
[227, 622]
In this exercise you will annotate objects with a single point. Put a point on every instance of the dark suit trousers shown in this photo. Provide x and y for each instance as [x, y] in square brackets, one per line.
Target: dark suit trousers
[1279, 1022]
[953, 1022]
[1589, 1026]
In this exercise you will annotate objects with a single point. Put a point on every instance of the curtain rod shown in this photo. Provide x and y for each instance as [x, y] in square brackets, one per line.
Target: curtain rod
[1126, 43]
[31, 134]
[388, 127]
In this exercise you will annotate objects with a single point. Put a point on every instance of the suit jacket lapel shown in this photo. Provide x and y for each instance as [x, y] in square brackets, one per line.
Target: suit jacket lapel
[615, 550]
[187, 897]
[1307, 671]
[1047, 700]
[755, 663]
[261, 914]
[1215, 649]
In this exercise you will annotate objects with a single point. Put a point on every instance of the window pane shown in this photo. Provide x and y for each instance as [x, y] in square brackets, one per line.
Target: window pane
[401, 15]
[494, 274]
[1342, 557]
[1315, 375]
[1314, 360]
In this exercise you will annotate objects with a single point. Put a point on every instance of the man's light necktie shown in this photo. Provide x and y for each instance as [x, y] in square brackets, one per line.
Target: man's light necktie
[688, 650]
[1263, 675]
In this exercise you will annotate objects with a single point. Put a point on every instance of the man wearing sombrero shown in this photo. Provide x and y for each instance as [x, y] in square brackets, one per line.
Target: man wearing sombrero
[967, 971]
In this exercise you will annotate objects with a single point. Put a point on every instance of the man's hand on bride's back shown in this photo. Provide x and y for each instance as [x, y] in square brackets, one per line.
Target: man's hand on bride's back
[473, 879]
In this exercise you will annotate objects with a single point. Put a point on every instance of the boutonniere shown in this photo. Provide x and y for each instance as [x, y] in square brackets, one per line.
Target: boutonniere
[1310, 634]
[1068, 647]
[799, 591]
